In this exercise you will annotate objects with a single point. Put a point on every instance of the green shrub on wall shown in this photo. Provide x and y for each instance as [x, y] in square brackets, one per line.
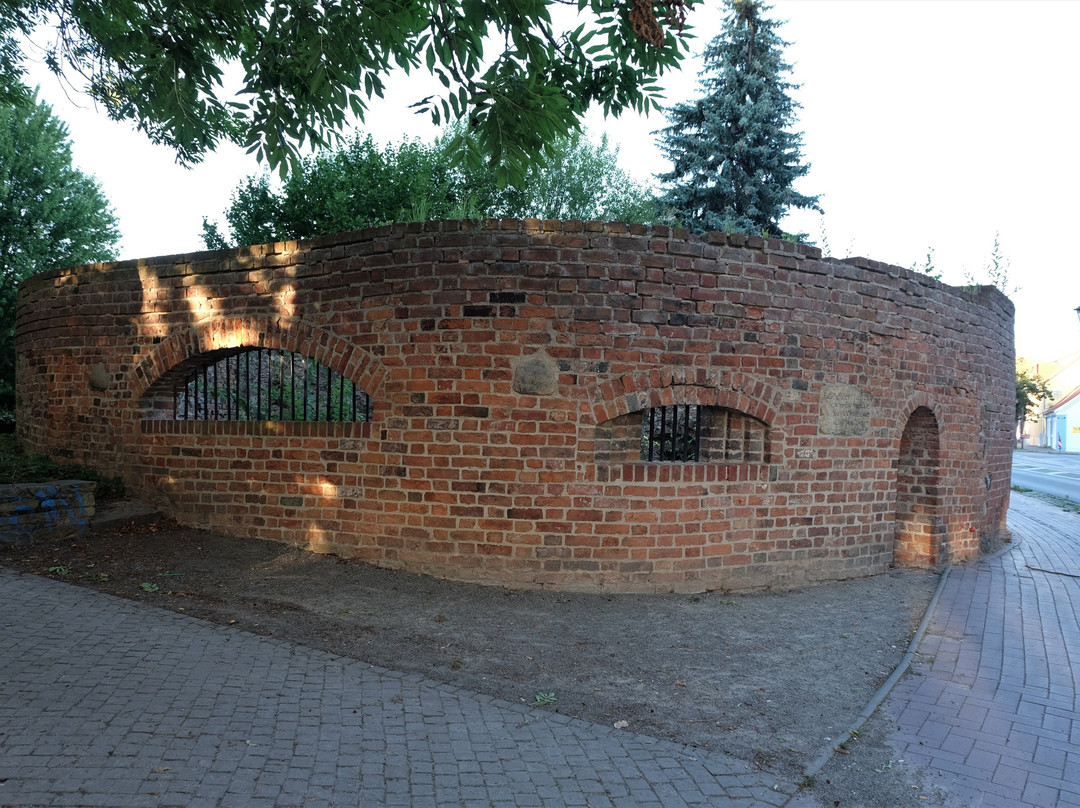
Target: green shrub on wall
[18, 467]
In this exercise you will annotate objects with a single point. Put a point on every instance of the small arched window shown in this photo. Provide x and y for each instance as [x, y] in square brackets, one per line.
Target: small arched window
[688, 433]
[683, 433]
[263, 384]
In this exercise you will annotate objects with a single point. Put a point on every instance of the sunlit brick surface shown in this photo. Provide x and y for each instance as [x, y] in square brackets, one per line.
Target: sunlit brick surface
[507, 360]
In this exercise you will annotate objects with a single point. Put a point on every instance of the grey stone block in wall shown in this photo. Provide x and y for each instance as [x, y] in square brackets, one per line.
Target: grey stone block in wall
[536, 375]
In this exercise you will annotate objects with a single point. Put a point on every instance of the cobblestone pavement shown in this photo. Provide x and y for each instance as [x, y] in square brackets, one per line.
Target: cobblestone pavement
[104, 702]
[994, 717]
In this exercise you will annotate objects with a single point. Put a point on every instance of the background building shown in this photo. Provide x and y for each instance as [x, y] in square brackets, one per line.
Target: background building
[1061, 375]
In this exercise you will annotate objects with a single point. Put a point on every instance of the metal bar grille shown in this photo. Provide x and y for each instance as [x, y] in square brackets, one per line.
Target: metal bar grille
[246, 386]
[688, 433]
[672, 433]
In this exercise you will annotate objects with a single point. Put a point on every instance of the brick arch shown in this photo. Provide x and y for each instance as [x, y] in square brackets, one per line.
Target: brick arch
[460, 473]
[639, 391]
[907, 409]
[920, 530]
[167, 361]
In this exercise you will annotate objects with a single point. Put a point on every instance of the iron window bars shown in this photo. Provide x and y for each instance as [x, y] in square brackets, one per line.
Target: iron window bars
[688, 433]
[671, 433]
[265, 384]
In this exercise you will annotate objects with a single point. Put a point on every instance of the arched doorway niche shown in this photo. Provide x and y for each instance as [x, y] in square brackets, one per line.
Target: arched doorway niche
[920, 528]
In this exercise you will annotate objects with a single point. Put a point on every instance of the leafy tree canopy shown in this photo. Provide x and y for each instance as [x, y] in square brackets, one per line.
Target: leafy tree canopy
[51, 214]
[362, 184]
[509, 71]
[734, 156]
[578, 179]
[1031, 391]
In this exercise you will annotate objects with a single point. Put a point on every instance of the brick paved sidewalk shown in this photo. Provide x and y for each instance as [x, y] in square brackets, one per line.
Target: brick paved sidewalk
[104, 702]
[994, 715]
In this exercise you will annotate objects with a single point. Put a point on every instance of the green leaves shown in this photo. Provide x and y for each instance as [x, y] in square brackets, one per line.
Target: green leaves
[361, 185]
[511, 72]
[1031, 391]
[51, 214]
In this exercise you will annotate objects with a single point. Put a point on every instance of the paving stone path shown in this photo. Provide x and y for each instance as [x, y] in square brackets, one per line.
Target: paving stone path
[994, 718]
[104, 702]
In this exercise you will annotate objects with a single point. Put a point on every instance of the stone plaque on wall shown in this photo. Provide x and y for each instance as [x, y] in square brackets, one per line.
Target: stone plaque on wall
[845, 410]
[536, 375]
[99, 378]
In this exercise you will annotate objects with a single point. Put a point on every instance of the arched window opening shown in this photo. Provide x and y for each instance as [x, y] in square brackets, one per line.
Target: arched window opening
[264, 384]
[688, 433]
[683, 433]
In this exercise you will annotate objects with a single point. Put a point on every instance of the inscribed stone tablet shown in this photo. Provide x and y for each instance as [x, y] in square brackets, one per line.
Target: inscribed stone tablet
[845, 410]
[537, 375]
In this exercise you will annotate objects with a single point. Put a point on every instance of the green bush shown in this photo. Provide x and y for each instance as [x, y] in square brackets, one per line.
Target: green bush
[18, 467]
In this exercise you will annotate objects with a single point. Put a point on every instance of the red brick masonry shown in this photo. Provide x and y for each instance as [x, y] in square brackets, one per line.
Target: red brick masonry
[507, 362]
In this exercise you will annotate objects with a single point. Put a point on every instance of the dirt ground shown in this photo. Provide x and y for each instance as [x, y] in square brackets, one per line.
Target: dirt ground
[774, 678]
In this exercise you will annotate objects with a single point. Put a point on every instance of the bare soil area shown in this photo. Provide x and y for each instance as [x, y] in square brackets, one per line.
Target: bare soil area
[774, 678]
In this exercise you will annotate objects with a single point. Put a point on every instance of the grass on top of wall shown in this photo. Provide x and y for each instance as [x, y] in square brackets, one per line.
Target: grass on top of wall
[18, 467]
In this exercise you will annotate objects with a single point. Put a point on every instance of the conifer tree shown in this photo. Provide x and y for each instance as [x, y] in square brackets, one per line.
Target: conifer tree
[735, 158]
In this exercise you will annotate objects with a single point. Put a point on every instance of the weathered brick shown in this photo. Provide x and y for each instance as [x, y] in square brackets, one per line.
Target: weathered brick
[886, 400]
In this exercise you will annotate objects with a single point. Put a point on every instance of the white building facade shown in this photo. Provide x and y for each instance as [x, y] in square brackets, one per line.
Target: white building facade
[1063, 424]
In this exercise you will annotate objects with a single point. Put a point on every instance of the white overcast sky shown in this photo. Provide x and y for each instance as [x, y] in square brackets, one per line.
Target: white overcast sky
[929, 124]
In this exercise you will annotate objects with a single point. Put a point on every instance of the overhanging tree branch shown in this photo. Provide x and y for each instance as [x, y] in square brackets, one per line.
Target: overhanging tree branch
[308, 64]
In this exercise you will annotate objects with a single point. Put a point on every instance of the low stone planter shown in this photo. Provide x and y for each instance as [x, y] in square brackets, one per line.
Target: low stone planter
[29, 511]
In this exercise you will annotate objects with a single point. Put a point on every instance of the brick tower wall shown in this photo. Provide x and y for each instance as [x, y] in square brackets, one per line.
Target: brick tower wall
[508, 364]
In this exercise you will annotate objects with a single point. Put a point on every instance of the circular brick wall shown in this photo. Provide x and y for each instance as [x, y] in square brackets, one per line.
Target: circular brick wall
[510, 364]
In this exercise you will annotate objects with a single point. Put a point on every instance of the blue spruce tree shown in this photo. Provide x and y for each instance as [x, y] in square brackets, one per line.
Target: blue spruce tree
[733, 153]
